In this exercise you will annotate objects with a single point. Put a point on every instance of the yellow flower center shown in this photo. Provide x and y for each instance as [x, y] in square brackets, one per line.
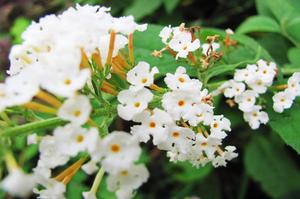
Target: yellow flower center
[77, 113]
[67, 81]
[137, 104]
[79, 138]
[152, 124]
[175, 134]
[115, 148]
[181, 103]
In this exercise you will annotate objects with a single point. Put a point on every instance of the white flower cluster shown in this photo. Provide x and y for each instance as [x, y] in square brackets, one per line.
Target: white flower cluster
[284, 99]
[180, 40]
[185, 108]
[51, 54]
[117, 153]
[50, 59]
[245, 88]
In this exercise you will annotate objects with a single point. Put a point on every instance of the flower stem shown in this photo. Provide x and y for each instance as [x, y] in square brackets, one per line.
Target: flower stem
[289, 71]
[40, 108]
[97, 181]
[27, 128]
[50, 99]
[111, 47]
[65, 175]
[10, 161]
[130, 48]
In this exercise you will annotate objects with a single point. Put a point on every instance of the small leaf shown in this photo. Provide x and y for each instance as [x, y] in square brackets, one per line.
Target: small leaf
[141, 8]
[170, 5]
[258, 24]
[268, 164]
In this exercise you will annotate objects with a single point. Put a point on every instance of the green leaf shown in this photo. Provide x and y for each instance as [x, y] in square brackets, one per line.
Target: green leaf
[293, 29]
[20, 24]
[262, 8]
[276, 49]
[287, 125]
[185, 172]
[170, 5]
[294, 57]
[141, 8]
[103, 192]
[271, 166]
[282, 9]
[258, 24]
[76, 186]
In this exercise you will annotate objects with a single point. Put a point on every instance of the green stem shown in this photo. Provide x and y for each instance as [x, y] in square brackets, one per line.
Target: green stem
[97, 181]
[5, 117]
[27, 128]
[215, 85]
[289, 71]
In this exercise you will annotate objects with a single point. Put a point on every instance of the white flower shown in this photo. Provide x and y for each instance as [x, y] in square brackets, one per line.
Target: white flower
[50, 155]
[182, 44]
[206, 145]
[227, 155]
[199, 113]
[230, 153]
[22, 87]
[127, 25]
[245, 74]
[66, 83]
[72, 139]
[294, 84]
[133, 102]
[181, 81]
[246, 100]
[120, 151]
[266, 72]
[89, 195]
[128, 179]
[256, 117]
[53, 190]
[283, 100]
[76, 109]
[179, 139]
[141, 75]
[165, 34]
[219, 161]
[257, 84]
[215, 46]
[90, 167]
[154, 124]
[219, 125]
[18, 183]
[177, 103]
[233, 88]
